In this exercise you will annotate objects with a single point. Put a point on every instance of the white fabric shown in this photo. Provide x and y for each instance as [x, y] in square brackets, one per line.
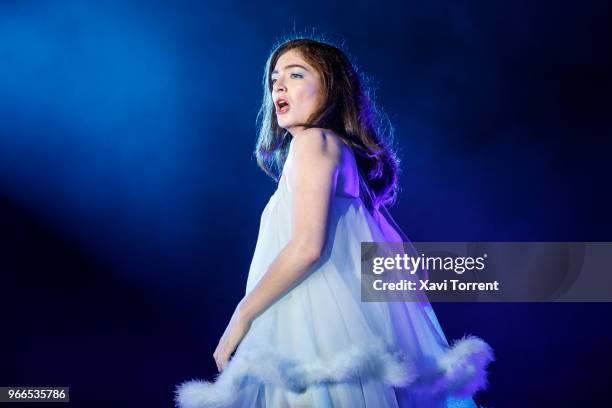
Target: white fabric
[320, 346]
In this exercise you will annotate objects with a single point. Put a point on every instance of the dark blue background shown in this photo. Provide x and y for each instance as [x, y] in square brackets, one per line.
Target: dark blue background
[130, 199]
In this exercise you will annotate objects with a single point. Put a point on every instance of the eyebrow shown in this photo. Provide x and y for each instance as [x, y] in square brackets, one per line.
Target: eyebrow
[291, 66]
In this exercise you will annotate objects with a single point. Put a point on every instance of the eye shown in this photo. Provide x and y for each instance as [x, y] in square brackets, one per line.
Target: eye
[299, 75]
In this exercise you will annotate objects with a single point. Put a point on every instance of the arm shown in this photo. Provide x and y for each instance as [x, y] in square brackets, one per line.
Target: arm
[313, 180]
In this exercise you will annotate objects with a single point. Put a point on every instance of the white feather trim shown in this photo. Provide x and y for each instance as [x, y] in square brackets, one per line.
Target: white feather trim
[461, 371]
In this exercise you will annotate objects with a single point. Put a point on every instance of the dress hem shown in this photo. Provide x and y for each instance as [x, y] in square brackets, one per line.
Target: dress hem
[458, 372]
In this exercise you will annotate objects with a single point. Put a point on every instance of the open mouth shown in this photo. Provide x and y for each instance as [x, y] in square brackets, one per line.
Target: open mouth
[282, 106]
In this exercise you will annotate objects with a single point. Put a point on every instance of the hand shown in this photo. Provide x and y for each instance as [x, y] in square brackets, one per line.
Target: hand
[234, 333]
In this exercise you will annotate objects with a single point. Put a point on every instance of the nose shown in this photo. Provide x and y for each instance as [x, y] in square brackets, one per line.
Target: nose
[278, 86]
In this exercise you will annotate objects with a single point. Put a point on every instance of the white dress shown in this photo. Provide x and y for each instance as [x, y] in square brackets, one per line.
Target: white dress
[319, 346]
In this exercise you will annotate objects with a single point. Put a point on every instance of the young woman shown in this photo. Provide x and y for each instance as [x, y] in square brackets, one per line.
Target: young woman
[301, 336]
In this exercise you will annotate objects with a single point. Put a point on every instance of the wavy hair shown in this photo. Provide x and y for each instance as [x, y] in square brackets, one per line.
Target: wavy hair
[347, 108]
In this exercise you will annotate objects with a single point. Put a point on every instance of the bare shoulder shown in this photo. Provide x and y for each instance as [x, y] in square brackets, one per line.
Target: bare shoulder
[320, 144]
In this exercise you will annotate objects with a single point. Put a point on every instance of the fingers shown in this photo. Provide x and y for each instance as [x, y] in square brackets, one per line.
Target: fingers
[217, 356]
[221, 364]
[220, 360]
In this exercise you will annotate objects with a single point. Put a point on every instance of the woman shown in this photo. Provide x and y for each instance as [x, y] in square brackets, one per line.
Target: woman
[301, 336]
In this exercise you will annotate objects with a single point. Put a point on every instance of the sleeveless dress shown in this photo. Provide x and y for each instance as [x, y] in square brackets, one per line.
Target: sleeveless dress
[319, 346]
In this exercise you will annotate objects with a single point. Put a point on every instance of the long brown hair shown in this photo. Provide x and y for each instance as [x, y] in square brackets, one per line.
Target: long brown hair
[347, 109]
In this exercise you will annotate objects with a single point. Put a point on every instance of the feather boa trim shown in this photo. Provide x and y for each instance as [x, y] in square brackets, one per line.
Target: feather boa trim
[459, 372]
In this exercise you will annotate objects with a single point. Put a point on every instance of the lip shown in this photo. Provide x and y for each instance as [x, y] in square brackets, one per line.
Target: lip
[278, 112]
[276, 104]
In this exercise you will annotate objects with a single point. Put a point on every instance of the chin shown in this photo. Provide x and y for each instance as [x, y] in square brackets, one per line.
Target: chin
[284, 124]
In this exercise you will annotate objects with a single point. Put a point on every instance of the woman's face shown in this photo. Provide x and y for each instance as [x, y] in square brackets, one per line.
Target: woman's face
[296, 90]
